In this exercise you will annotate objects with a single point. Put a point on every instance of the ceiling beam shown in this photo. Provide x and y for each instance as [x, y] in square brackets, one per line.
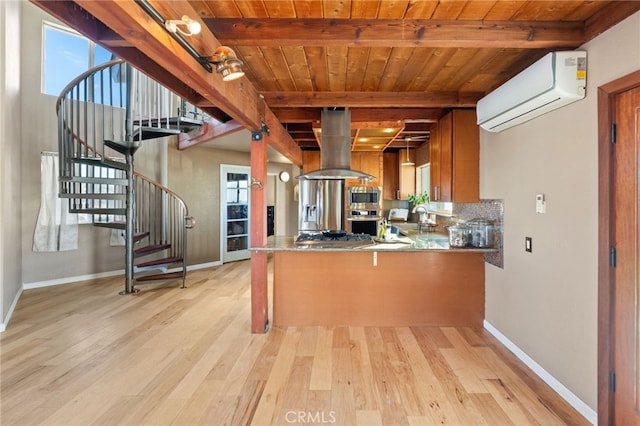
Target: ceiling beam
[277, 32]
[310, 115]
[372, 99]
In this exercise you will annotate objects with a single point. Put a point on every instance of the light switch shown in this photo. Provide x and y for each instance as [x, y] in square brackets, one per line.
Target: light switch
[541, 205]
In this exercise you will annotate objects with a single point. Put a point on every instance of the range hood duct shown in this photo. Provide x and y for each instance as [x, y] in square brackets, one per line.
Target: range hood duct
[335, 152]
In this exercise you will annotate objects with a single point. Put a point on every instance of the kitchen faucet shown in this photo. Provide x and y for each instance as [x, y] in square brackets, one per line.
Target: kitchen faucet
[423, 218]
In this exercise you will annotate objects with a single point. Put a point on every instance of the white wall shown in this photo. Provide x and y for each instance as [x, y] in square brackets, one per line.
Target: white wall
[10, 166]
[546, 301]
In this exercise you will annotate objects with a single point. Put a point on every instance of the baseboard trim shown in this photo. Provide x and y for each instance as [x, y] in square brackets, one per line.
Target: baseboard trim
[69, 280]
[5, 321]
[586, 411]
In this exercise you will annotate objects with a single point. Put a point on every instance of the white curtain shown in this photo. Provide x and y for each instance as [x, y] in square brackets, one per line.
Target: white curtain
[56, 229]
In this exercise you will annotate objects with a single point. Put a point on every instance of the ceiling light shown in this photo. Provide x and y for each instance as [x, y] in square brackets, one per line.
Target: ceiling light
[185, 26]
[227, 63]
[408, 162]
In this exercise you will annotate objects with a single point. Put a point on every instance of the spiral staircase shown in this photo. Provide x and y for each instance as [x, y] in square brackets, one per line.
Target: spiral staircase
[104, 115]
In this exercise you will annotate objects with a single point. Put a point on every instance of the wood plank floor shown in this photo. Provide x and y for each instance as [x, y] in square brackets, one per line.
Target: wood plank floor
[80, 354]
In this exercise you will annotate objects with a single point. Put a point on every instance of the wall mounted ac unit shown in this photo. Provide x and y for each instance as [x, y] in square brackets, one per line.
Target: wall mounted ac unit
[557, 79]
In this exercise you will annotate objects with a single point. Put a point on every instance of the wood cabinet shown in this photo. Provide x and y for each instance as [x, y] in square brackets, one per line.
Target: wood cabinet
[455, 158]
[399, 181]
[310, 161]
[367, 162]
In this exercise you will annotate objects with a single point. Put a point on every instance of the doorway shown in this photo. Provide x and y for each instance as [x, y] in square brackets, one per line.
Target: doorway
[619, 252]
[234, 212]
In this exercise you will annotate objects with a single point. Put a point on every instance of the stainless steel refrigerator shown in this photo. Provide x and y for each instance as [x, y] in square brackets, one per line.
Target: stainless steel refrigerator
[320, 205]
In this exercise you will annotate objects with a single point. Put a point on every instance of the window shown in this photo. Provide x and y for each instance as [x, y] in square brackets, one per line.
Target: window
[66, 55]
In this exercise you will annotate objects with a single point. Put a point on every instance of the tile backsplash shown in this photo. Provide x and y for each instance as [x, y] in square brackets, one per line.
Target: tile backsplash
[486, 209]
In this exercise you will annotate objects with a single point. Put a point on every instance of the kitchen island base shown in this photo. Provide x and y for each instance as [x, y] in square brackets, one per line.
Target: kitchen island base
[378, 288]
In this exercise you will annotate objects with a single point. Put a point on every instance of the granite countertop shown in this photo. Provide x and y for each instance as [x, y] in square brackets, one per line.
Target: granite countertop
[416, 242]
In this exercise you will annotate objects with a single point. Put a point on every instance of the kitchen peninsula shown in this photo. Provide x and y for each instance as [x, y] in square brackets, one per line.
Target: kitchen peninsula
[368, 284]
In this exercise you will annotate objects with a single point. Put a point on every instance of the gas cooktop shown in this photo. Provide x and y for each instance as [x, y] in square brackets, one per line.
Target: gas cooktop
[332, 238]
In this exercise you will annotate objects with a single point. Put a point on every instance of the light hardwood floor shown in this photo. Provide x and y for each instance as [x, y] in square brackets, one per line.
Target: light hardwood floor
[80, 354]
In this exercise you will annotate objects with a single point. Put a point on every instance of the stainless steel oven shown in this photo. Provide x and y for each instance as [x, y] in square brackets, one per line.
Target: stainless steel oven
[363, 210]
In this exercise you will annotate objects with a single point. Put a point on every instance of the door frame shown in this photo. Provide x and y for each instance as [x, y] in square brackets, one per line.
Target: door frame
[224, 169]
[606, 102]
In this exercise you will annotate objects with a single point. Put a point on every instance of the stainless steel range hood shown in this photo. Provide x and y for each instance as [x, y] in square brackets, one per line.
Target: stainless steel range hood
[335, 152]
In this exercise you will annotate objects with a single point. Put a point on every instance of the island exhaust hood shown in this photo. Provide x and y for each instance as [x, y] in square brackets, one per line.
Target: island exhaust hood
[335, 150]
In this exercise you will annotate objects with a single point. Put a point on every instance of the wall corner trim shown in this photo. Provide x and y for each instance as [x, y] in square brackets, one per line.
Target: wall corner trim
[586, 411]
[5, 320]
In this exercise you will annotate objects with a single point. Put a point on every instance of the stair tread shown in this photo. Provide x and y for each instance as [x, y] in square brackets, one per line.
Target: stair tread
[152, 248]
[123, 147]
[101, 162]
[114, 211]
[158, 262]
[156, 277]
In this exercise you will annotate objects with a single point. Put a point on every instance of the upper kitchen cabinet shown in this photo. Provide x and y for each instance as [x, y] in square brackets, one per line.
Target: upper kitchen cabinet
[455, 158]
[310, 161]
[368, 162]
[399, 179]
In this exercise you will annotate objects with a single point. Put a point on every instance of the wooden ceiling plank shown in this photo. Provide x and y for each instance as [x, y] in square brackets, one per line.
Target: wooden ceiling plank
[392, 9]
[357, 58]
[476, 10]
[365, 9]
[378, 58]
[337, 66]
[332, 9]
[397, 66]
[449, 9]
[317, 68]
[421, 9]
[297, 65]
[392, 33]
[279, 66]
[308, 9]
[437, 61]
[371, 99]
[280, 9]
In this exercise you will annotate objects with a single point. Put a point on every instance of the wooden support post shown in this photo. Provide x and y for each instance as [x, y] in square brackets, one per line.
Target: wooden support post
[259, 296]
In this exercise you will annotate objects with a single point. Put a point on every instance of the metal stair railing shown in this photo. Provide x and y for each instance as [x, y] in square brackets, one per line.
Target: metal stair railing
[103, 115]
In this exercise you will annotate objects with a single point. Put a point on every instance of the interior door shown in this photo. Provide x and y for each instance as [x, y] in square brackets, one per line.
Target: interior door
[626, 294]
[235, 210]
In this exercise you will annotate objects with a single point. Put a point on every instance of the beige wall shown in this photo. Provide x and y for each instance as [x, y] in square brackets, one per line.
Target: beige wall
[195, 174]
[546, 301]
[10, 167]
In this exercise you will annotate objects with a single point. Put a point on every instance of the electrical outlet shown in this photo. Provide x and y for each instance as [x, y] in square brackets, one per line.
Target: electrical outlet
[528, 244]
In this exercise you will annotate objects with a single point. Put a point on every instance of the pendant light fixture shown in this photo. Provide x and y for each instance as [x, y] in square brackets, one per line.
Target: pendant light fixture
[408, 161]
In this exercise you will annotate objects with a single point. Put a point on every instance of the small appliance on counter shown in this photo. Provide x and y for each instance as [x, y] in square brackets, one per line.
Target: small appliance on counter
[398, 214]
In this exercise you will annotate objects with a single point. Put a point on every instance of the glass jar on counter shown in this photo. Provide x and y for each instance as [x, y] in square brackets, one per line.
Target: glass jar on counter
[459, 235]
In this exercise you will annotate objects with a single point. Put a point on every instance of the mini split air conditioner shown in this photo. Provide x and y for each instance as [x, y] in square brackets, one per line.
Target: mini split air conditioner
[557, 79]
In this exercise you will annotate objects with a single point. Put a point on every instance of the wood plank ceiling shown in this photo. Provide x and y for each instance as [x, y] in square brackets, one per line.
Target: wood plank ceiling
[395, 64]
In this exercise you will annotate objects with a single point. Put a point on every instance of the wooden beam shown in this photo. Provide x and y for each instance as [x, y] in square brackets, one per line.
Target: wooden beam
[258, 237]
[372, 99]
[397, 33]
[311, 115]
[609, 16]
[236, 98]
[210, 130]
[281, 140]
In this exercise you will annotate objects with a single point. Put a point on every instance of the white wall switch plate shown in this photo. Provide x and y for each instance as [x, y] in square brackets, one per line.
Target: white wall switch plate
[541, 205]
